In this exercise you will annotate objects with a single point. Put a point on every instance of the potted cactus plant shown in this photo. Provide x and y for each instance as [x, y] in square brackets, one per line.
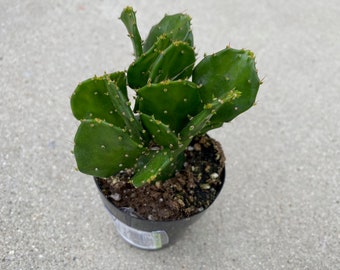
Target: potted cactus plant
[153, 162]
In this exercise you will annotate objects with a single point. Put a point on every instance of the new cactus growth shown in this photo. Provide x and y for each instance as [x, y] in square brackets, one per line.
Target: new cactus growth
[174, 102]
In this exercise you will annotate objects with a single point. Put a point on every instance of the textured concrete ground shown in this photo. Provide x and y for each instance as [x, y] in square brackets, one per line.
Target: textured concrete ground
[280, 208]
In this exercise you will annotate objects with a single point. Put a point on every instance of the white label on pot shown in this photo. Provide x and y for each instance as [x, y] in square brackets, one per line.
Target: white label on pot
[142, 239]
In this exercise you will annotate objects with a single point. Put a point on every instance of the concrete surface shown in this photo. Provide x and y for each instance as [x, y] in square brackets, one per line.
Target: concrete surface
[280, 208]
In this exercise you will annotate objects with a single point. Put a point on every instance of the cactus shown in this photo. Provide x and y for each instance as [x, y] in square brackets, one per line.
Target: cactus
[174, 102]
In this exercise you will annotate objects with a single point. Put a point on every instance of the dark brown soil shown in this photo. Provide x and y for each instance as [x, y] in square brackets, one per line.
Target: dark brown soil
[190, 191]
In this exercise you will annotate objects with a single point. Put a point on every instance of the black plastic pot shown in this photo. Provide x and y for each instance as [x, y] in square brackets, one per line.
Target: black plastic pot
[147, 234]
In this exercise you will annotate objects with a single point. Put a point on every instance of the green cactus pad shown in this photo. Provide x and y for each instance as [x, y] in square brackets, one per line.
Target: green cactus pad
[161, 133]
[128, 17]
[91, 100]
[202, 121]
[161, 166]
[170, 100]
[176, 62]
[139, 71]
[177, 26]
[227, 70]
[102, 150]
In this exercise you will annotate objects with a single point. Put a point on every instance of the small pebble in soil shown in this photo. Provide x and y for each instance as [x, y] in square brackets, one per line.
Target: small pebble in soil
[158, 184]
[115, 196]
[113, 180]
[181, 203]
[214, 175]
[205, 186]
[197, 147]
